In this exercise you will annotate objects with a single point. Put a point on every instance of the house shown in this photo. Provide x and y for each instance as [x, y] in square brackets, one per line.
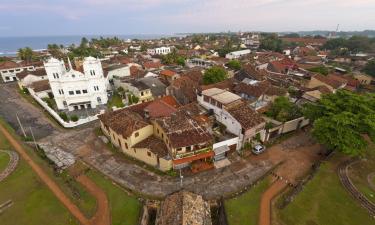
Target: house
[158, 88]
[9, 70]
[184, 208]
[152, 65]
[26, 78]
[282, 66]
[136, 87]
[237, 54]
[363, 78]
[72, 89]
[117, 71]
[194, 62]
[159, 51]
[321, 80]
[249, 71]
[169, 75]
[259, 93]
[315, 94]
[155, 132]
[230, 110]
[185, 88]
[41, 88]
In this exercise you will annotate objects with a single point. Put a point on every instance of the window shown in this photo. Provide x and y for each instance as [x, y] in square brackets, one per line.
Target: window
[99, 100]
[157, 130]
[71, 92]
[162, 135]
[119, 143]
[78, 92]
[73, 76]
[65, 104]
[141, 93]
[96, 88]
[188, 148]
[126, 146]
[179, 149]
[84, 91]
[206, 98]
[149, 154]
[136, 134]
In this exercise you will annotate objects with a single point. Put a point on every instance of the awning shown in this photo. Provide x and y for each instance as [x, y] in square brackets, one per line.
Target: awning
[193, 158]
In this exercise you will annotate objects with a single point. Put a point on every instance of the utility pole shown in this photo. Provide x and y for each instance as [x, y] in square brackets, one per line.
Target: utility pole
[181, 177]
[32, 135]
[19, 122]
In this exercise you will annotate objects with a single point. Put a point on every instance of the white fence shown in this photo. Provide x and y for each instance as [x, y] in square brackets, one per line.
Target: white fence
[228, 142]
[55, 115]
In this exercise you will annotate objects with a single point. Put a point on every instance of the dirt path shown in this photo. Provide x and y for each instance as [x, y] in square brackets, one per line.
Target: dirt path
[12, 164]
[102, 216]
[265, 202]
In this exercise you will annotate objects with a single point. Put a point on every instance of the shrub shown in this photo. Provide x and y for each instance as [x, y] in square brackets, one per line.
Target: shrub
[74, 118]
[64, 116]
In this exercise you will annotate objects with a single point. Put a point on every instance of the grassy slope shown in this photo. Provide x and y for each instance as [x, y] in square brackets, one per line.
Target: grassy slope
[4, 160]
[125, 209]
[244, 209]
[33, 203]
[324, 201]
[360, 170]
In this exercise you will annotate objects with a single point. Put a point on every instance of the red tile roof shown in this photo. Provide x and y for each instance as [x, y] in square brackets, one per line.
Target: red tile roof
[247, 117]
[152, 65]
[168, 73]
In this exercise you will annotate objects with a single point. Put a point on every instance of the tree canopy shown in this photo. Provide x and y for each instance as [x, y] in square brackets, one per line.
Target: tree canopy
[353, 44]
[234, 64]
[214, 74]
[26, 54]
[283, 110]
[272, 43]
[340, 120]
[370, 68]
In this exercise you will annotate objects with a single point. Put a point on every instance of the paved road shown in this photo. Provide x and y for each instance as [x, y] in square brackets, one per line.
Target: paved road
[11, 103]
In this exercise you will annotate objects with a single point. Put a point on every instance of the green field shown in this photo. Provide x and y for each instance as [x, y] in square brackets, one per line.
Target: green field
[4, 160]
[324, 201]
[360, 170]
[244, 209]
[125, 209]
[33, 203]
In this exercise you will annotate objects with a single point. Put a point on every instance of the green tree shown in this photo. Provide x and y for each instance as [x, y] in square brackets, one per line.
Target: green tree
[214, 74]
[234, 64]
[340, 120]
[370, 68]
[180, 61]
[272, 43]
[283, 110]
[26, 54]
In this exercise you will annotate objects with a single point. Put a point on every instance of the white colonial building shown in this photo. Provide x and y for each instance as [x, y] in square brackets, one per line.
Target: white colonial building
[75, 90]
[159, 51]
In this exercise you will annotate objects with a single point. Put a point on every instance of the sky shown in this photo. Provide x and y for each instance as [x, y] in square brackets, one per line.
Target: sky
[110, 17]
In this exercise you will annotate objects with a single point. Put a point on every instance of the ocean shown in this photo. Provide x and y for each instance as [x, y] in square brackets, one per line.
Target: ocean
[10, 45]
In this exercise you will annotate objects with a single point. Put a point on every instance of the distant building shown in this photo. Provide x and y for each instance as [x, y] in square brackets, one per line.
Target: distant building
[237, 54]
[159, 51]
[9, 70]
[75, 90]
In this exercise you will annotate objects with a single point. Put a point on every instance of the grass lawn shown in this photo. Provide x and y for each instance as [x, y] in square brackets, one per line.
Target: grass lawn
[360, 170]
[244, 209]
[4, 160]
[125, 209]
[76, 192]
[115, 100]
[33, 203]
[324, 201]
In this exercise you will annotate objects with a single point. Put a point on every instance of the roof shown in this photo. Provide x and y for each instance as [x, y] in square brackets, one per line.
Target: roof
[182, 130]
[152, 65]
[139, 85]
[123, 121]
[184, 208]
[227, 84]
[25, 73]
[258, 89]
[222, 96]
[334, 83]
[247, 117]
[42, 85]
[159, 108]
[9, 65]
[249, 71]
[157, 87]
[168, 73]
[154, 144]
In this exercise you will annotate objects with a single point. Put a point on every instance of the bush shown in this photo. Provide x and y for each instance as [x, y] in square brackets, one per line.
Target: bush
[214, 74]
[64, 116]
[25, 90]
[74, 118]
[234, 64]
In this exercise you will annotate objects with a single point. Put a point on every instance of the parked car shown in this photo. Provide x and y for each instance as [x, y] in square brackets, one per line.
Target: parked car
[258, 149]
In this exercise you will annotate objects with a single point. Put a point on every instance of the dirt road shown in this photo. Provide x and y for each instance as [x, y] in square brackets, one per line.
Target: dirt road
[265, 202]
[101, 217]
